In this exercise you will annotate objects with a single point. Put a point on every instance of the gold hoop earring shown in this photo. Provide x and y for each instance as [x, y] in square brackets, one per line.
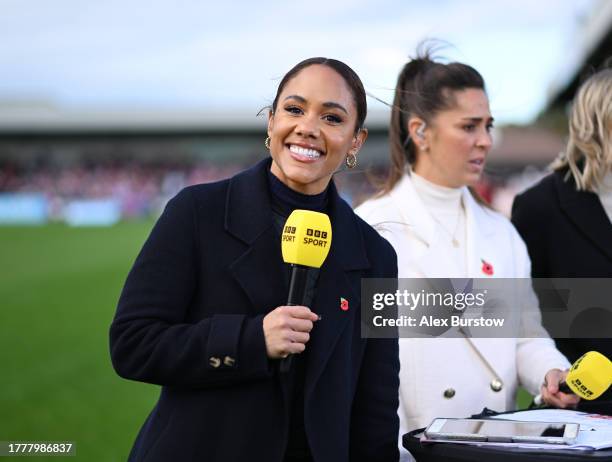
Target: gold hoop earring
[351, 160]
[267, 143]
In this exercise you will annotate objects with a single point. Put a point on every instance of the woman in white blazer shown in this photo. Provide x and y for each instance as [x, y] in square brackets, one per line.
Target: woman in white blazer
[440, 138]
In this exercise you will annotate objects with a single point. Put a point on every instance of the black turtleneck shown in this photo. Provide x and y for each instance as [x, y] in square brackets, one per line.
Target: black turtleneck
[284, 201]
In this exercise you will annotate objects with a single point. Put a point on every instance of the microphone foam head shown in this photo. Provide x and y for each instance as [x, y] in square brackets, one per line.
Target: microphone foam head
[590, 376]
[306, 238]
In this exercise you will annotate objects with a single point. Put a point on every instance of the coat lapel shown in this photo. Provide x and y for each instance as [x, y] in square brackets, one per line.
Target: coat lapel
[412, 211]
[266, 289]
[248, 217]
[340, 277]
[480, 237]
[481, 248]
[584, 209]
[421, 225]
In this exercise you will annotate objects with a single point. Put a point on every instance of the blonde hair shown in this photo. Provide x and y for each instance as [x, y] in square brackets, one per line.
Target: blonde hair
[588, 154]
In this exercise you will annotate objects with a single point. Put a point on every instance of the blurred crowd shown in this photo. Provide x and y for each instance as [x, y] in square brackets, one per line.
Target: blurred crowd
[140, 189]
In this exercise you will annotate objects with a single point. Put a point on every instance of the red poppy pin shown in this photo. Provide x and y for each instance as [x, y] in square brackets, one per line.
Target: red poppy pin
[344, 306]
[487, 268]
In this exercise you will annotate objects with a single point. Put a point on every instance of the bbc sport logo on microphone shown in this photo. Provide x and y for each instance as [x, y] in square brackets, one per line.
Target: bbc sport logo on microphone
[316, 237]
[313, 236]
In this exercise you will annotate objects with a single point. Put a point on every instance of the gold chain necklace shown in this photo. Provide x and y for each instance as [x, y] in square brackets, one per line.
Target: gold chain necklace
[452, 235]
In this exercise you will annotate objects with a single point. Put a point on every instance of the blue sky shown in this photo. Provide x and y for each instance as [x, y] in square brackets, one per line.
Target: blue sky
[188, 54]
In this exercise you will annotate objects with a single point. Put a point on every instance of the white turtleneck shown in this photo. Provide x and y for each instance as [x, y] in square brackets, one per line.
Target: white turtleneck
[445, 206]
[605, 194]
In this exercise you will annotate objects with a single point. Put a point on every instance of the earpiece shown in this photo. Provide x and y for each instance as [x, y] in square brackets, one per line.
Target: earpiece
[421, 131]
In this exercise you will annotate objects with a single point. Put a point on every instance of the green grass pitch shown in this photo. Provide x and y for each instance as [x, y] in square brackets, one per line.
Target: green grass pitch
[58, 292]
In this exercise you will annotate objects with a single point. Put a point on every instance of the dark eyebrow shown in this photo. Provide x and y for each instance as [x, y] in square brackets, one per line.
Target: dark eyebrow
[478, 119]
[298, 97]
[335, 105]
[301, 99]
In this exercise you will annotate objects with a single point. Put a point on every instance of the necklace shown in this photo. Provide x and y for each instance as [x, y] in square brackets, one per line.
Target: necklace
[452, 235]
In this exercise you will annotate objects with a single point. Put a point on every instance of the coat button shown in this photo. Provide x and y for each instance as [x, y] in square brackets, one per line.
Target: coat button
[496, 385]
[229, 361]
[214, 361]
[449, 393]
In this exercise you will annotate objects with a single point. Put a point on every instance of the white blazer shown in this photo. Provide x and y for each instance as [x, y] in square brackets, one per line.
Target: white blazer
[458, 377]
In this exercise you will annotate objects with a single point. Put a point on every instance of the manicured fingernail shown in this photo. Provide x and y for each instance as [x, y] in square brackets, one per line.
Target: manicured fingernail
[319, 317]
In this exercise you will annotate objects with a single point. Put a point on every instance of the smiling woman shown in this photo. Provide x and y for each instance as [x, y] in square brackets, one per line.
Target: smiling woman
[203, 311]
[316, 124]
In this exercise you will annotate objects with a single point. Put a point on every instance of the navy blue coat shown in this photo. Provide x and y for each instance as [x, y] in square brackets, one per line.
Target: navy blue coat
[567, 231]
[190, 319]
[568, 235]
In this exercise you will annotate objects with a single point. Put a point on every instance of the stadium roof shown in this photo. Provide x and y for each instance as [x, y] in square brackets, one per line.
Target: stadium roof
[591, 47]
[40, 118]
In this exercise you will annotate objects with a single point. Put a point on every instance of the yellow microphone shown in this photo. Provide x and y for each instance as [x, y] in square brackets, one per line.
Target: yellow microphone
[590, 376]
[305, 243]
